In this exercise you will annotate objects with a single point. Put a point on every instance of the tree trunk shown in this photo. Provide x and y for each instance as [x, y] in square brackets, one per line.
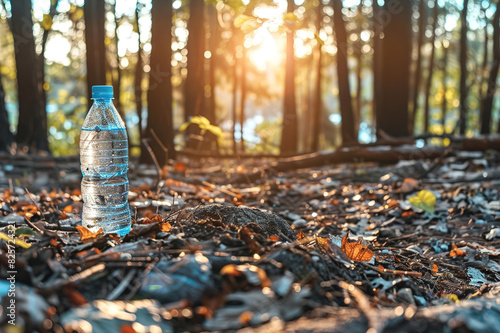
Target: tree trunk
[160, 122]
[431, 68]
[243, 96]
[41, 63]
[212, 47]
[483, 75]
[194, 85]
[444, 103]
[392, 116]
[118, 81]
[376, 62]
[289, 132]
[32, 125]
[138, 75]
[6, 137]
[463, 70]
[346, 109]
[316, 111]
[487, 101]
[422, 23]
[234, 102]
[357, 110]
[94, 39]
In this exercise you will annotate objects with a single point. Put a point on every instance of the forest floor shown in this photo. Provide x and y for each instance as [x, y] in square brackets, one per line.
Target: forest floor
[407, 247]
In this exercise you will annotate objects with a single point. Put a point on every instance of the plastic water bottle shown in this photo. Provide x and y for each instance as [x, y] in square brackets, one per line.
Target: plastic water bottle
[104, 165]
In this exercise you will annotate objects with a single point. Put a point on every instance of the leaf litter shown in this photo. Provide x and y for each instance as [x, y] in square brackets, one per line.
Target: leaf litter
[389, 245]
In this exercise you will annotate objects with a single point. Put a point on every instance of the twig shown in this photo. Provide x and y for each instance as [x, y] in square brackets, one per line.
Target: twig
[121, 286]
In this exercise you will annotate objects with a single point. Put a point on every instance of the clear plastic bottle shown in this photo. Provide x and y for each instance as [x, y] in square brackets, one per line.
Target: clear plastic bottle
[104, 165]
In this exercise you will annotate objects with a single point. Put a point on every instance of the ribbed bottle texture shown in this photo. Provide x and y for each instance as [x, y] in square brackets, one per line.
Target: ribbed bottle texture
[104, 165]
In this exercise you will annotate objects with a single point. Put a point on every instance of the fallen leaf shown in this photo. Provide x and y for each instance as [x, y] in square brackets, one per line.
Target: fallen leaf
[455, 252]
[355, 251]
[424, 200]
[245, 317]
[274, 238]
[322, 244]
[300, 235]
[409, 185]
[435, 268]
[165, 227]
[86, 234]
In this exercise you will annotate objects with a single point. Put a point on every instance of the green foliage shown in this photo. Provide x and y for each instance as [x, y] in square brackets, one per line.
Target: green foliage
[204, 125]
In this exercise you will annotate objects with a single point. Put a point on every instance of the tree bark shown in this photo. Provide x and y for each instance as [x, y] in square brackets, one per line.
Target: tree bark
[32, 125]
[138, 75]
[94, 39]
[422, 23]
[393, 115]
[213, 38]
[463, 70]
[431, 68]
[118, 81]
[194, 85]
[318, 105]
[487, 101]
[444, 103]
[6, 137]
[160, 123]
[376, 62]
[346, 109]
[234, 102]
[289, 132]
[243, 96]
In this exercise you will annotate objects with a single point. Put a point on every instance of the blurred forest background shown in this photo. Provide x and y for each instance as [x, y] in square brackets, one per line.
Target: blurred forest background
[244, 76]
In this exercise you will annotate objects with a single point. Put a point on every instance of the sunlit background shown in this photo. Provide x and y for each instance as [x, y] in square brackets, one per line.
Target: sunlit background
[263, 50]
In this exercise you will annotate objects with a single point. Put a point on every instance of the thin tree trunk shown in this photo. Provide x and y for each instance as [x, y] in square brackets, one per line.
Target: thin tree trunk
[346, 109]
[422, 23]
[463, 70]
[483, 80]
[376, 63]
[444, 103]
[243, 96]
[160, 122]
[32, 125]
[6, 137]
[234, 102]
[41, 63]
[289, 139]
[357, 114]
[194, 85]
[118, 82]
[138, 74]
[212, 47]
[316, 111]
[94, 39]
[431, 68]
[487, 102]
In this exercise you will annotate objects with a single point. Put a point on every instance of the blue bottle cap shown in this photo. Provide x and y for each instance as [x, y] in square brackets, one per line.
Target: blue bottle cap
[102, 92]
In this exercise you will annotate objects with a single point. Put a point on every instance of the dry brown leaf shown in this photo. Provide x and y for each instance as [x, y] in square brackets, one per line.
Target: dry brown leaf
[355, 251]
[86, 234]
[165, 227]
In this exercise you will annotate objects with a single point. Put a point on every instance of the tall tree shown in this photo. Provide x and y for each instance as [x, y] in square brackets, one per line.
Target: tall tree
[32, 125]
[487, 100]
[289, 132]
[463, 69]
[93, 11]
[444, 102]
[195, 83]
[138, 72]
[431, 67]
[6, 136]
[42, 87]
[376, 60]
[422, 23]
[395, 54]
[213, 38]
[243, 95]
[117, 81]
[316, 111]
[159, 132]
[346, 109]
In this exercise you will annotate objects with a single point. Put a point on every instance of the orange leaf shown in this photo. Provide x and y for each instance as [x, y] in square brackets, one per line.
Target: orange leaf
[356, 251]
[456, 252]
[157, 218]
[435, 268]
[323, 244]
[179, 166]
[85, 233]
[300, 235]
[274, 238]
[245, 317]
[165, 227]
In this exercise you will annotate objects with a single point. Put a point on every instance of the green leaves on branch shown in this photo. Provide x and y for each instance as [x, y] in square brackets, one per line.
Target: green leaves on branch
[204, 125]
